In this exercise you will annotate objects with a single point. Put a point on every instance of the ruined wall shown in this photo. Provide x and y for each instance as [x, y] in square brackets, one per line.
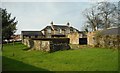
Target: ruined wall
[26, 42]
[74, 38]
[59, 44]
[41, 45]
[91, 38]
[109, 41]
[106, 41]
[48, 44]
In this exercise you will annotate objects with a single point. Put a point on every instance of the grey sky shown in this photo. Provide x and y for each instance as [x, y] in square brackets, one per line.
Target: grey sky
[57, 0]
[37, 15]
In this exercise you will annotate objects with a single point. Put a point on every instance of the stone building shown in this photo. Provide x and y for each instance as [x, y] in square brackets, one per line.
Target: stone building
[77, 37]
[52, 38]
[56, 30]
[26, 35]
[65, 31]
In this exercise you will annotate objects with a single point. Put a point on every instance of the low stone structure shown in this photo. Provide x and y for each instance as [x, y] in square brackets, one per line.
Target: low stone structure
[48, 44]
[91, 38]
[110, 41]
[26, 41]
[41, 45]
[109, 38]
[75, 37]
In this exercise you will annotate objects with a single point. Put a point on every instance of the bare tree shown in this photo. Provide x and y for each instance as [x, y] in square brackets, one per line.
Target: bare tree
[102, 15]
[108, 13]
[93, 19]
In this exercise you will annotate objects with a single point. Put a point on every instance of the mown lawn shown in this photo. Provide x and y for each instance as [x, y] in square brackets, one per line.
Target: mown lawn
[15, 58]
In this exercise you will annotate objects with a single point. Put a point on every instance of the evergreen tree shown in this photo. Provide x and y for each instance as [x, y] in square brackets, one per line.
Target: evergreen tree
[8, 24]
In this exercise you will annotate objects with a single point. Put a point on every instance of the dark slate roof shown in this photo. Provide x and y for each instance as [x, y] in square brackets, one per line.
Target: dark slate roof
[111, 31]
[32, 33]
[63, 27]
[72, 29]
[60, 27]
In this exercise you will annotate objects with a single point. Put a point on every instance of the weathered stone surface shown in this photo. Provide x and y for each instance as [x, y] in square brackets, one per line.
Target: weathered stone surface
[106, 41]
[60, 46]
[74, 38]
[110, 41]
[48, 45]
[91, 38]
[41, 45]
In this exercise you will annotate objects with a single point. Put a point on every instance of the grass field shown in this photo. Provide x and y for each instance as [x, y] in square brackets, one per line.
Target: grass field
[15, 58]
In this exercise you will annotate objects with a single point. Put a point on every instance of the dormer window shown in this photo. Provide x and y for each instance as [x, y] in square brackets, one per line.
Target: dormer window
[74, 30]
[67, 30]
[49, 30]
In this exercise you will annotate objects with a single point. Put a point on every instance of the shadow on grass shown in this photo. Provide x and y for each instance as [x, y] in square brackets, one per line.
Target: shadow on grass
[14, 65]
[25, 49]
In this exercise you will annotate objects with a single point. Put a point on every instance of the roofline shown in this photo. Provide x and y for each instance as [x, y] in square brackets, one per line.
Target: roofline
[30, 31]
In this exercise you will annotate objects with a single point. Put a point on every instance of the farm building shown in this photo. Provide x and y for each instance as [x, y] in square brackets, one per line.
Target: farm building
[56, 30]
[40, 39]
[67, 31]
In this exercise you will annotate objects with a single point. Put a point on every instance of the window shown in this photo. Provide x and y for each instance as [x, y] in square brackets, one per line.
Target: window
[81, 35]
[60, 30]
[49, 30]
[67, 30]
[36, 36]
[74, 30]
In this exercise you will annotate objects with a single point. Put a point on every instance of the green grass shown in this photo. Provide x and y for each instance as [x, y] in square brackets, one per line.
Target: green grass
[87, 59]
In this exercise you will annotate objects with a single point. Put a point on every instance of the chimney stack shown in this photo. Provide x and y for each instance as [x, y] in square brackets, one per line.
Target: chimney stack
[51, 23]
[68, 24]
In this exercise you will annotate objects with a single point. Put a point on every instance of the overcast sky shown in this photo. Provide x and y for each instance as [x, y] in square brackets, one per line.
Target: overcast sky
[35, 15]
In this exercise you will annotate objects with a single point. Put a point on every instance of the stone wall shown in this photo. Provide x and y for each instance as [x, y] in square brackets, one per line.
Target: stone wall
[96, 39]
[91, 38]
[74, 38]
[109, 41]
[59, 46]
[48, 44]
[26, 42]
[41, 45]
